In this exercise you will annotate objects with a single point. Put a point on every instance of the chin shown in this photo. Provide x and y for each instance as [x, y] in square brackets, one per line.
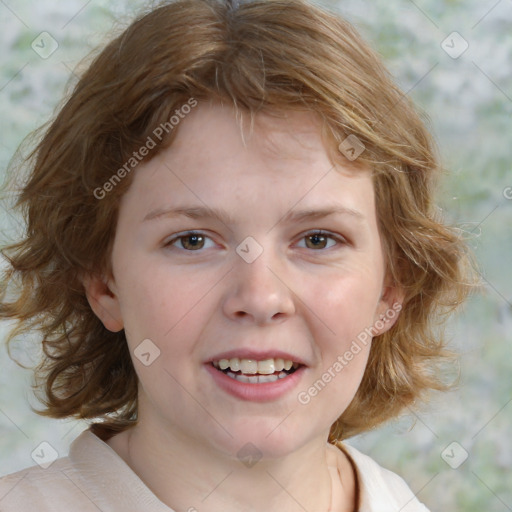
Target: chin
[266, 438]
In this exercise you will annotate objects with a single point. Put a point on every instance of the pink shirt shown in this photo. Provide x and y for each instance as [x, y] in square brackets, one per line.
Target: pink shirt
[93, 478]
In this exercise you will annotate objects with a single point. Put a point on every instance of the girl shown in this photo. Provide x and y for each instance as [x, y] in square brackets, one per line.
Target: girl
[234, 263]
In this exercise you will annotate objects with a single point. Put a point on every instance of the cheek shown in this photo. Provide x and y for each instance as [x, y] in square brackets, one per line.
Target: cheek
[346, 307]
[155, 300]
[347, 304]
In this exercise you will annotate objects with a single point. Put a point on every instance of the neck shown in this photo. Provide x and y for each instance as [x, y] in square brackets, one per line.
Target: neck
[188, 475]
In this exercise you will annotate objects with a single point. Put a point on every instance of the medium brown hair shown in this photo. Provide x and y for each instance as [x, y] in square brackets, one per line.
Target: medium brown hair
[264, 56]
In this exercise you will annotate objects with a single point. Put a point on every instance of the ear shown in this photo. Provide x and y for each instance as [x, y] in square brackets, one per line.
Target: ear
[103, 301]
[388, 308]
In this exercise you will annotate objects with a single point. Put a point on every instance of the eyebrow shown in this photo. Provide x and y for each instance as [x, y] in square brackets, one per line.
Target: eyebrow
[203, 212]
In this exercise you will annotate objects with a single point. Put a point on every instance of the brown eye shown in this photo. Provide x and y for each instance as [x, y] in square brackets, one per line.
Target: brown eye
[316, 241]
[189, 242]
[320, 240]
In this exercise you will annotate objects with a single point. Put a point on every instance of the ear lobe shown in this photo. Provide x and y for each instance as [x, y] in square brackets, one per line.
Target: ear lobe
[388, 309]
[103, 302]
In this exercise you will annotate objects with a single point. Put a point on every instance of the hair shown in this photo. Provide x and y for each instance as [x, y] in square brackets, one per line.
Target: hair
[264, 56]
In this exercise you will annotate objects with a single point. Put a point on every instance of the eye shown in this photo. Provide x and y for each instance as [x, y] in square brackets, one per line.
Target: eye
[190, 241]
[195, 241]
[319, 240]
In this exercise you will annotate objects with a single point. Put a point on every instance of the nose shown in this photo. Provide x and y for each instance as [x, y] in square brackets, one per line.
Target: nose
[258, 292]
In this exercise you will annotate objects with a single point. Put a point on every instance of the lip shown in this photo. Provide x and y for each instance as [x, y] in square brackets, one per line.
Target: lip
[257, 355]
[265, 392]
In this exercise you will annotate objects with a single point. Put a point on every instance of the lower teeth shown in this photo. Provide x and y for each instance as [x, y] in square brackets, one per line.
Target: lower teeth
[256, 379]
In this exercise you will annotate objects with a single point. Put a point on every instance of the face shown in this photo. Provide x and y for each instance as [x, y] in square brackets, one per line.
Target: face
[233, 255]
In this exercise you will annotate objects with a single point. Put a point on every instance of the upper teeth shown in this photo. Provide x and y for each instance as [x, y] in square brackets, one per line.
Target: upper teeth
[251, 366]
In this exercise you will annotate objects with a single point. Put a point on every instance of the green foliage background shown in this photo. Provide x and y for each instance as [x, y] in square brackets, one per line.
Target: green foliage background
[469, 103]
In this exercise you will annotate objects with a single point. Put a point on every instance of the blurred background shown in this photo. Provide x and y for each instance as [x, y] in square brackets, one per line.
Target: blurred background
[454, 58]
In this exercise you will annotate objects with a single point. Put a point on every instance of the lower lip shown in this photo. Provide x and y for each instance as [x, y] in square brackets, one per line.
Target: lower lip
[264, 392]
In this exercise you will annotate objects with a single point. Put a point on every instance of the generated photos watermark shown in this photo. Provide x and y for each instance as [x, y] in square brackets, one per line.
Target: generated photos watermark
[363, 338]
[158, 133]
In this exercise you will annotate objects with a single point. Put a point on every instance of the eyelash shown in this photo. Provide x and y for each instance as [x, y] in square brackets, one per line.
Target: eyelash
[340, 240]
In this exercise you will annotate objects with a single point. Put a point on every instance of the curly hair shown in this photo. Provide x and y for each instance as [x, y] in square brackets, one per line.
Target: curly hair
[264, 56]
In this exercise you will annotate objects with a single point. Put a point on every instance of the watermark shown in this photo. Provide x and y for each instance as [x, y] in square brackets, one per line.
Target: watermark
[507, 192]
[454, 455]
[44, 455]
[363, 338]
[454, 45]
[137, 156]
[351, 147]
[249, 455]
[147, 352]
[249, 249]
[44, 45]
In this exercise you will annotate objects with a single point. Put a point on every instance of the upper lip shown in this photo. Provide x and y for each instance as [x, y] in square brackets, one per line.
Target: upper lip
[242, 353]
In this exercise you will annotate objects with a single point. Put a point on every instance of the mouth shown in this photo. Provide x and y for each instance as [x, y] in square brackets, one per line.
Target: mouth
[252, 371]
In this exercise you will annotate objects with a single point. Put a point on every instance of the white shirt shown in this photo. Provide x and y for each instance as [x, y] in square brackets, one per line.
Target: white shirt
[94, 478]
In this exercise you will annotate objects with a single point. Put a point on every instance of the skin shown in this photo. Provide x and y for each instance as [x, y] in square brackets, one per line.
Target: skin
[305, 296]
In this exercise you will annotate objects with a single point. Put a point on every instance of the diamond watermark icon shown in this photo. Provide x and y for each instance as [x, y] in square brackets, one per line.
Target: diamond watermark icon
[454, 45]
[44, 455]
[454, 455]
[146, 352]
[44, 45]
[249, 249]
[249, 455]
[351, 147]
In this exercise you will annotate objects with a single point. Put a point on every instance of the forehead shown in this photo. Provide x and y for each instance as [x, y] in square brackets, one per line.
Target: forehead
[219, 155]
[224, 133]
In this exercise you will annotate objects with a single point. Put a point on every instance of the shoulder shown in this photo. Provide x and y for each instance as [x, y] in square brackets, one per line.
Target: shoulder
[93, 477]
[57, 487]
[381, 489]
[51, 489]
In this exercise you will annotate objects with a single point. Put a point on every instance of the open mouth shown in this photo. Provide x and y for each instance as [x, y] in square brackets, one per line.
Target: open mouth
[251, 371]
